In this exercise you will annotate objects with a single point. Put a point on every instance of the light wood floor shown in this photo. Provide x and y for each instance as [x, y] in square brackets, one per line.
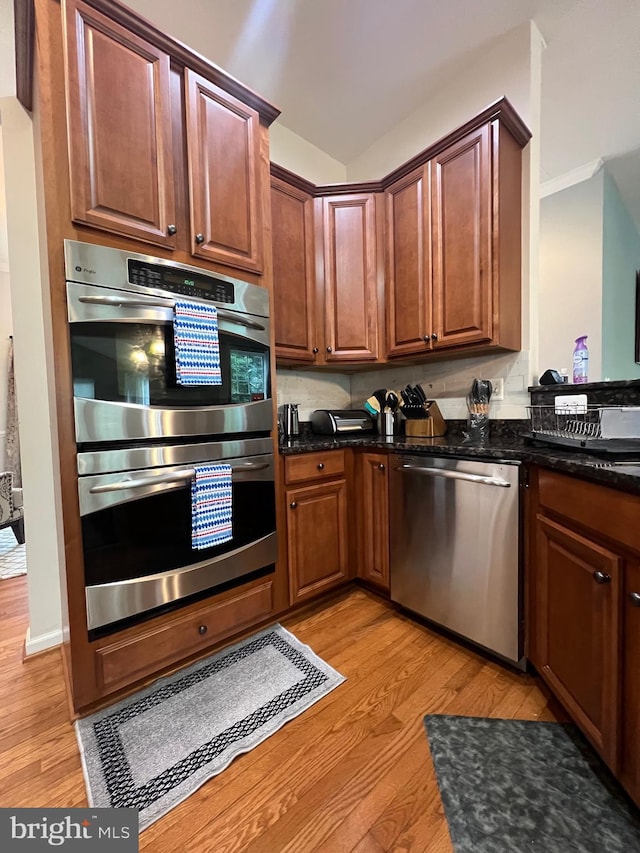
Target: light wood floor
[353, 774]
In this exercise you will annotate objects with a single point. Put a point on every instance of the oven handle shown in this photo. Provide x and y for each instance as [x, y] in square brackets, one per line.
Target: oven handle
[127, 301]
[173, 477]
[149, 302]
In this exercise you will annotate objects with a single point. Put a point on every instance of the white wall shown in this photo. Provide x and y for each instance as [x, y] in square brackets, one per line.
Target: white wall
[34, 367]
[570, 297]
[6, 323]
[296, 154]
[503, 68]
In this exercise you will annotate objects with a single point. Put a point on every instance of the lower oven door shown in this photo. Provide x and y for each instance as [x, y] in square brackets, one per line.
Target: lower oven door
[136, 528]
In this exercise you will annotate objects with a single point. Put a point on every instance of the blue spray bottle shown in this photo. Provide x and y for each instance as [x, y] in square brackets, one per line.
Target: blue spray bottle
[580, 361]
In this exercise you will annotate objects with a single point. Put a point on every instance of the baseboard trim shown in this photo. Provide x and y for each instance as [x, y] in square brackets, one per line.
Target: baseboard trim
[33, 645]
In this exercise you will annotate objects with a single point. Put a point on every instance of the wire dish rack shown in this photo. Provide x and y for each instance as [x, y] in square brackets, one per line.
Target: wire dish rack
[607, 429]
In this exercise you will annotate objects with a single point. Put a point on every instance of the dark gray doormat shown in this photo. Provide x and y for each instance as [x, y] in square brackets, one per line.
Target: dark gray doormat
[510, 786]
[155, 748]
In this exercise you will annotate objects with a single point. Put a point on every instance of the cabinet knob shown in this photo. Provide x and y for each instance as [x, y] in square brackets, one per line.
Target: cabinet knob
[329, 349]
[320, 466]
[427, 338]
[315, 350]
[600, 577]
[293, 505]
[381, 467]
[199, 238]
[434, 337]
[171, 230]
[202, 630]
[635, 598]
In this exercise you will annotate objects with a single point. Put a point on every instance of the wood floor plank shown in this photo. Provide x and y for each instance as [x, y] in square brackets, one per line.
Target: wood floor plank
[352, 774]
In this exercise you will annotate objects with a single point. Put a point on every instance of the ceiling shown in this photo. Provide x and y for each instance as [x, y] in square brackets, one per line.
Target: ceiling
[344, 72]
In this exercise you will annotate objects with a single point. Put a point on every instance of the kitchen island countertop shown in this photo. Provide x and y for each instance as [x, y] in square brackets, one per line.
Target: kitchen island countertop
[502, 444]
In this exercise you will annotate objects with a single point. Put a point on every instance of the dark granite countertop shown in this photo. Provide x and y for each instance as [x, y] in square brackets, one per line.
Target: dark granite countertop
[505, 441]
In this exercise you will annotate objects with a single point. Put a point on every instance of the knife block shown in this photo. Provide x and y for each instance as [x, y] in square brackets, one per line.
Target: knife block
[431, 426]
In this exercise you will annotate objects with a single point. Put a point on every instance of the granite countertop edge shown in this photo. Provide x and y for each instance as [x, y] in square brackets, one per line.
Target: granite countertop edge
[512, 447]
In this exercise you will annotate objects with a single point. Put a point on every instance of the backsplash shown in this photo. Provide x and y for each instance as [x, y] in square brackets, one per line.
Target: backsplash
[448, 382]
[623, 392]
[313, 389]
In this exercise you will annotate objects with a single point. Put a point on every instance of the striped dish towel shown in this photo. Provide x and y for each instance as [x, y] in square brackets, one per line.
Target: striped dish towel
[211, 522]
[195, 329]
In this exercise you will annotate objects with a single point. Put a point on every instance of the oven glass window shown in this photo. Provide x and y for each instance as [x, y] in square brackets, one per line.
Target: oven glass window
[135, 363]
[153, 534]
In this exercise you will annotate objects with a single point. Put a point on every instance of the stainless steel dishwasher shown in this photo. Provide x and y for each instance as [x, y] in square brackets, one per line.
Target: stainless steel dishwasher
[455, 547]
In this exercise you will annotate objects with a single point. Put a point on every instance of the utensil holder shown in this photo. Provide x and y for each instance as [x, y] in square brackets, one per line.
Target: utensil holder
[386, 422]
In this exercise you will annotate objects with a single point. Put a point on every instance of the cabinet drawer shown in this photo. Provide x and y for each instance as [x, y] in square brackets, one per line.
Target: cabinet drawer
[600, 509]
[314, 466]
[127, 660]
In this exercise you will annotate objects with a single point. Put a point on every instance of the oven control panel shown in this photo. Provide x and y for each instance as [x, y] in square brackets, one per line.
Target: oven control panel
[175, 280]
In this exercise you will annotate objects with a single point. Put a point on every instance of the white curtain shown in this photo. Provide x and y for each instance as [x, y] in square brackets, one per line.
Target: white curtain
[12, 453]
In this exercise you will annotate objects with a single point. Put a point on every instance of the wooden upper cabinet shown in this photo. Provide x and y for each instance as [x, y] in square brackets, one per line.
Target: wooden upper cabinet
[119, 128]
[408, 264]
[293, 272]
[461, 200]
[223, 147]
[350, 289]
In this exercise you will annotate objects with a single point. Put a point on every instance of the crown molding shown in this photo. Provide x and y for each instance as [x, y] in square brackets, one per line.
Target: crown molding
[575, 176]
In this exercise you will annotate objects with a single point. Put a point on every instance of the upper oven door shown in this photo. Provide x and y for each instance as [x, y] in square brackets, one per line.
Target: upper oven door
[124, 371]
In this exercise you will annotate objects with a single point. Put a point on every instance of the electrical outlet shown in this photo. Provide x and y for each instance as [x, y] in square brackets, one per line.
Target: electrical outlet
[498, 389]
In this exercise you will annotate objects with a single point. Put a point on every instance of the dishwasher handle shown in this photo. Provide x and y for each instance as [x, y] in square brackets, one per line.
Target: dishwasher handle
[457, 475]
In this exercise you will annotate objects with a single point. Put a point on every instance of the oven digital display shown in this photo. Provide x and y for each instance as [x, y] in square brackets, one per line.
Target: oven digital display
[176, 281]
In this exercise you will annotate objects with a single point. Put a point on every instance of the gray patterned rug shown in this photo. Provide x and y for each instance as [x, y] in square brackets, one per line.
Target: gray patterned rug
[155, 748]
[520, 786]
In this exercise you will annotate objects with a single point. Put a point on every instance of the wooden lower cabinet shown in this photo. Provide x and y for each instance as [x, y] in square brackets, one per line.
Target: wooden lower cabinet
[579, 587]
[583, 581]
[316, 538]
[630, 729]
[318, 520]
[373, 512]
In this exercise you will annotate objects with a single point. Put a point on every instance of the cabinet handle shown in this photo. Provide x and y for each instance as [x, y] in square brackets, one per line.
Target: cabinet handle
[171, 230]
[320, 466]
[329, 349]
[635, 598]
[293, 505]
[315, 350]
[600, 577]
[426, 339]
[381, 467]
[199, 238]
[434, 337]
[202, 630]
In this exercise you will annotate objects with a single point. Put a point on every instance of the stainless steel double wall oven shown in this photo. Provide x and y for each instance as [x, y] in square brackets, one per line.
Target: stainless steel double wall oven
[140, 433]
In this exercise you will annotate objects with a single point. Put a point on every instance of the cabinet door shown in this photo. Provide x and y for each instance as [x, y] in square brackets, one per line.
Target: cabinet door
[119, 124]
[350, 278]
[293, 272]
[223, 150]
[316, 538]
[408, 258]
[630, 746]
[461, 193]
[374, 515]
[578, 632]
